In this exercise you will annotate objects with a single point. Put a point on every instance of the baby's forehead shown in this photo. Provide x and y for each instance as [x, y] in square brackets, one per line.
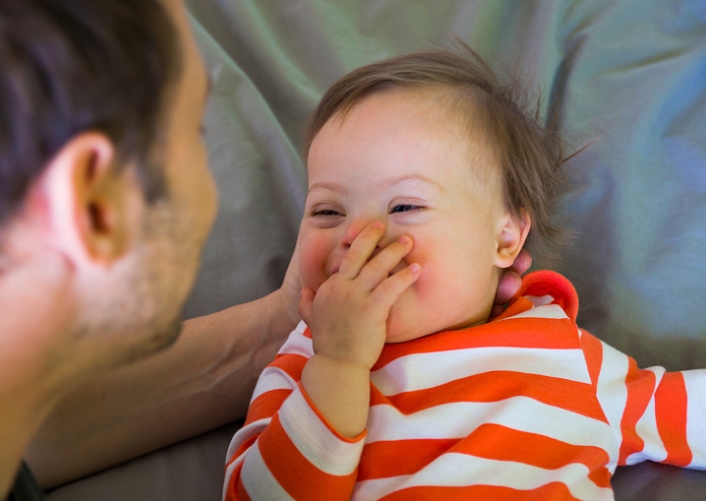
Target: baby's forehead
[436, 107]
[462, 109]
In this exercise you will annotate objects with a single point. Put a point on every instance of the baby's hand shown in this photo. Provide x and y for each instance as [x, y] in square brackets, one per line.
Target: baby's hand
[348, 314]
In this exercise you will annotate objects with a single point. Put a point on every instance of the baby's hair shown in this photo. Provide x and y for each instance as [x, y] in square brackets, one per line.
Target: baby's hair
[529, 154]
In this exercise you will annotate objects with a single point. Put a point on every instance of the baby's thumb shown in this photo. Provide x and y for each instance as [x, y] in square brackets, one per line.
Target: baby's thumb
[306, 304]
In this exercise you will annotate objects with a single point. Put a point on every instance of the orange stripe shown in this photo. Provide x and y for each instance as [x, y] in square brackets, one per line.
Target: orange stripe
[376, 396]
[242, 449]
[549, 492]
[295, 473]
[235, 490]
[517, 306]
[496, 442]
[400, 457]
[640, 385]
[291, 363]
[489, 441]
[593, 352]
[543, 333]
[671, 411]
[266, 405]
[546, 282]
[500, 385]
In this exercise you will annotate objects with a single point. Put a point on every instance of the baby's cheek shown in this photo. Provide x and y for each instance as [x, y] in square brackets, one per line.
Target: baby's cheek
[312, 265]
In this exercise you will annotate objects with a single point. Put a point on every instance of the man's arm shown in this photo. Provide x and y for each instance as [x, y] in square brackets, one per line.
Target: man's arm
[204, 381]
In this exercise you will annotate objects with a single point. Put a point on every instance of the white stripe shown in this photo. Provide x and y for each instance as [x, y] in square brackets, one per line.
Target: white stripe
[646, 429]
[459, 419]
[413, 372]
[297, 342]
[273, 378]
[316, 442]
[244, 434]
[229, 473]
[612, 392]
[258, 480]
[547, 311]
[695, 382]
[461, 470]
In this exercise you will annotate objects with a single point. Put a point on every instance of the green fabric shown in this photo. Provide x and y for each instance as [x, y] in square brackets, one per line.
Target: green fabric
[628, 77]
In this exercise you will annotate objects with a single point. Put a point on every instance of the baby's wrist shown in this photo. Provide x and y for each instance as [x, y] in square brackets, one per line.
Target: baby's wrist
[341, 362]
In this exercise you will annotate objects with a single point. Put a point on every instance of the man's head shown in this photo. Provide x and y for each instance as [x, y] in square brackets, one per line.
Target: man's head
[102, 161]
[75, 66]
[430, 145]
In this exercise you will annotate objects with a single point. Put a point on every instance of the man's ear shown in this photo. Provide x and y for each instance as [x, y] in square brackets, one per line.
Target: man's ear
[511, 237]
[91, 207]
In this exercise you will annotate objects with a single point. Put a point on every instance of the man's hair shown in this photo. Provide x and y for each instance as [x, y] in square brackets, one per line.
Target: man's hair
[69, 66]
[528, 154]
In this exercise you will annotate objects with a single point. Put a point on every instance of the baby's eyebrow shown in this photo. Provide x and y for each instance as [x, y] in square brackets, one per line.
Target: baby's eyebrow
[329, 186]
[413, 177]
[386, 183]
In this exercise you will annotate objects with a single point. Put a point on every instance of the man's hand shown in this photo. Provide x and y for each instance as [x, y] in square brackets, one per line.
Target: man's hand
[348, 314]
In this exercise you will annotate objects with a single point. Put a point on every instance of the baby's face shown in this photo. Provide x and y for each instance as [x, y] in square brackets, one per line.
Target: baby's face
[398, 157]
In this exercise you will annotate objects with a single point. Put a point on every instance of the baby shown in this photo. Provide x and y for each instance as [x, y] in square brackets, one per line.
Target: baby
[426, 179]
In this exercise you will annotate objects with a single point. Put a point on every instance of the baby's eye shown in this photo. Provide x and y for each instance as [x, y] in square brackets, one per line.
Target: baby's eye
[326, 212]
[404, 208]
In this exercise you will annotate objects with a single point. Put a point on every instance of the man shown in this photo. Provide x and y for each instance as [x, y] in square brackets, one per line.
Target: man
[105, 201]
[105, 189]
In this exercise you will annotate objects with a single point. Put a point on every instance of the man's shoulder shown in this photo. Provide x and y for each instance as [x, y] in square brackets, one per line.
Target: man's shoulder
[26, 487]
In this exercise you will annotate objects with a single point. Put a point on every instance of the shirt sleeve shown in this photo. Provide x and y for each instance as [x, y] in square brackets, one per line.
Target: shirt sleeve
[286, 450]
[656, 415]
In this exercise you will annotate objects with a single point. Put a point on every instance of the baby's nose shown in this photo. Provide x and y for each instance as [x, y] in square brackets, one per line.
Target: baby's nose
[353, 230]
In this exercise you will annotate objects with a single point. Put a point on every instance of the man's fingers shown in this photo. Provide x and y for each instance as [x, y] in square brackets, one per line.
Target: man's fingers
[511, 280]
[522, 263]
[510, 283]
[306, 304]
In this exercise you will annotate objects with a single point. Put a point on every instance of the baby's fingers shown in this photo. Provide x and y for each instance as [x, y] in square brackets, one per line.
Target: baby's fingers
[390, 289]
[361, 249]
[380, 267]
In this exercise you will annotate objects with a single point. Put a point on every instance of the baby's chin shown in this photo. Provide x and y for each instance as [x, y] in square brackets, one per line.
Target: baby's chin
[399, 331]
[402, 330]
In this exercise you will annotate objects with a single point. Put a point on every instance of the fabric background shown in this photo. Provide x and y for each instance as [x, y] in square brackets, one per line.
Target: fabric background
[627, 76]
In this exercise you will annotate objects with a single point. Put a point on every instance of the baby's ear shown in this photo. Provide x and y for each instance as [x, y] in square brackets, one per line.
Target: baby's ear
[511, 236]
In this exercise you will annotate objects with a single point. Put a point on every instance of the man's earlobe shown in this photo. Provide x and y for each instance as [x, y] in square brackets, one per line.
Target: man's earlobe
[511, 237]
[91, 205]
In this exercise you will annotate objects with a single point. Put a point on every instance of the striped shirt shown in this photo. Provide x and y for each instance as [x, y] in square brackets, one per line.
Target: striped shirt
[527, 406]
